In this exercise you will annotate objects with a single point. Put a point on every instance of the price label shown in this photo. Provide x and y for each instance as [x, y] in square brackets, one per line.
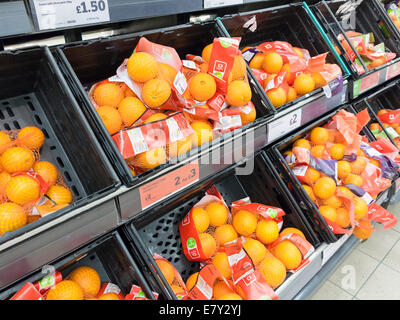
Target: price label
[393, 71]
[366, 83]
[220, 3]
[284, 125]
[61, 14]
[168, 184]
[331, 249]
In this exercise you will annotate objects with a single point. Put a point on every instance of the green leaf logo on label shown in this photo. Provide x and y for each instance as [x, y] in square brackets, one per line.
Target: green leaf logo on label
[225, 43]
[167, 55]
[265, 298]
[218, 74]
[141, 294]
[46, 282]
[272, 213]
[191, 243]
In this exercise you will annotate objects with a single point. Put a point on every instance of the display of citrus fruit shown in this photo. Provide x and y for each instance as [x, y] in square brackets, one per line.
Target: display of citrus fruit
[12, 217]
[221, 289]
[354, 179]
[239, 69]
[151, 159]
[17, 159]
[318, 151]
[208, 244]
[324, 188]
[310, 192]
[47, 171]
[202, 86]
[344, 169]
[360, 208]
[244, 222]
[311, 176]
[109, 296]
[291, 94]
[333, 202]
[206, 53]
[304, 84]
[225, 233]
[65, 290]
[267, 231]
[59, 195]
[288, 253]
[277, 97]
[191, 281]
[201, 219]
[108, 94]
[273, 271]
[156, 117]
[177, 148]
[31, 137]
[166, 269]
[364, 229]
[111, 119]
[302, 143]
[257, 61]
[167, 72]
[337, 151]
[5, 141]
[22, 190]
[142, 66]
[220, 261]
[218, 213]
[319, 135]
[255, 249]
[328, 213]
[272, 63]
[156, 92]
[88, 279]
[203, 132]
[131, 109]
[238, 94]
[290, 230]
[342, 217]
[248, 116]
[358, 166]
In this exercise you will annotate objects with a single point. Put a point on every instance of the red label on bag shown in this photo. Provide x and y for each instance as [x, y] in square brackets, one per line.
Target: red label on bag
[168, 184]
[203, 289]
[108, 287]
[390, 117]
[27, 292]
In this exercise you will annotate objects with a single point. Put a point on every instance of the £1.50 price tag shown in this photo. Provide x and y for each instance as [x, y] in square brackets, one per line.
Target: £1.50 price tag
[168, 184]
[61, 14]
[283, 125]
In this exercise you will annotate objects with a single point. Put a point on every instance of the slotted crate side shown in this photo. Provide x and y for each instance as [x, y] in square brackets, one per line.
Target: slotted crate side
[108, 256]
[289, 23]
[85, 63]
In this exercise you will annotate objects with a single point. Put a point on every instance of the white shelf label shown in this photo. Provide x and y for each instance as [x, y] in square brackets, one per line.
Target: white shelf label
[283, 125]
[220, 3]
[330, 250]
[62, 14]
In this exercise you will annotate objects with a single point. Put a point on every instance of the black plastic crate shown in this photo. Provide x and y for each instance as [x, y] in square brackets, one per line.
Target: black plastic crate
[33, 92]
[108, 256]
[365, 16]
[290, 23]
[87, 62]
[294, 185]
[158, 232]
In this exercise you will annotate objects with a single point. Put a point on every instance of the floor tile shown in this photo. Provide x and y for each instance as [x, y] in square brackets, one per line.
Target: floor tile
[352, 273]
[395, 209]
[393, 257]
[329, 291]
[383, 284]
[380, 243]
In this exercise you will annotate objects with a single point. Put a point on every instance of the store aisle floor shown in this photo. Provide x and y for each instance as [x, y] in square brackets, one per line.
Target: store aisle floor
[370, 272]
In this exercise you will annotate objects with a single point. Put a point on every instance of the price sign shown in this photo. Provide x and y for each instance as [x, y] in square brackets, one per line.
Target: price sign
[331, 249]
[220, 3]
[393, 71]
[366, 83]
[61, 14]
[283, 125]
[168, 184]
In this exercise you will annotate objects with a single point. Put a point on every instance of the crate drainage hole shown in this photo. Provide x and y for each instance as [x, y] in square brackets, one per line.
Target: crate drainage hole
[9, 111]
[6, 126]
[38, 119]
[60, 162]
[2, 115]
[30, 104]
[16, 125]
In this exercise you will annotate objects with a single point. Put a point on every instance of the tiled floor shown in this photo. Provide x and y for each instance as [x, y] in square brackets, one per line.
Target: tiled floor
[370, 272]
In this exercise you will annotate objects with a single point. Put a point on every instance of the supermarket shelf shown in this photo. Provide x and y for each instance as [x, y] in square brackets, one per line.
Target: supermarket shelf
[10, 12]
[327, 269]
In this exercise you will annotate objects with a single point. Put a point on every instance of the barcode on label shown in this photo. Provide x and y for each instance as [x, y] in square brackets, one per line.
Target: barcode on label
[175, 132]
[248, 55]
[139, 145]
[180, 83]
[203, 286]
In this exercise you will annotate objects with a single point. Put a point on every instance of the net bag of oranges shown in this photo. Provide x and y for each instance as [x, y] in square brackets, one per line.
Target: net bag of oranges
[172, 276]
[29, 187]
[391, 122]
[286, 72]
[206, 227]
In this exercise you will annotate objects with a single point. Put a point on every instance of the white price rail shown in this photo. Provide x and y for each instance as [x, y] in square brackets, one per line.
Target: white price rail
[284, 125]
[62, 14]
[330, 250]
[220, 3]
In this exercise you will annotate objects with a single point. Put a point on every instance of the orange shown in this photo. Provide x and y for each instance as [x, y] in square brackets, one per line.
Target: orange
[4, 178]
[289, 230]
[318, 151]
[360, 208]
[238, 94]
[347, 192]
[5, 141]
[167, 270]
[277, 97]
[65, 290]
[221, 289]
[206, 53]
[111, 118]
[374, 162]
[358, 166]
[156, 92]
[201, 219]
[202, 87]
[225, 233]
[354, 179]
[17, 159]
[249, 116]
[318, 79]
[377, 62]
[344, 169]
[375, 126]
[299, 52]
[328, 212]
[129, 93]
[244, 222]
[239, 68]
[203, 132]
[167, 72]
[12, 217]
[47, 171]
[220, 261]
[364, 229]
[22, 189]
[193, 117]
[324, 188]
[257, 61]
[302, 143]
[272, 63]
[333, 202]
[88, 279]
[191, 281]
[311, 176]
[131, 109]
[151, 159]
[288, 253]
[177, 148]
[59, 195]
[208, 244]
[342, 217]
[255, 249]
[382, 112]
[177, 289]
[142, 66]
[108, 94]
[156, 117]
[230, 296]
[310, 192]
[286, 68]
[218, 213]
[267, 231]
[337, 151]
[304, 84]
[268, 79]
[319, 135]
[109, 296]
[273, 271]
[291, 95]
